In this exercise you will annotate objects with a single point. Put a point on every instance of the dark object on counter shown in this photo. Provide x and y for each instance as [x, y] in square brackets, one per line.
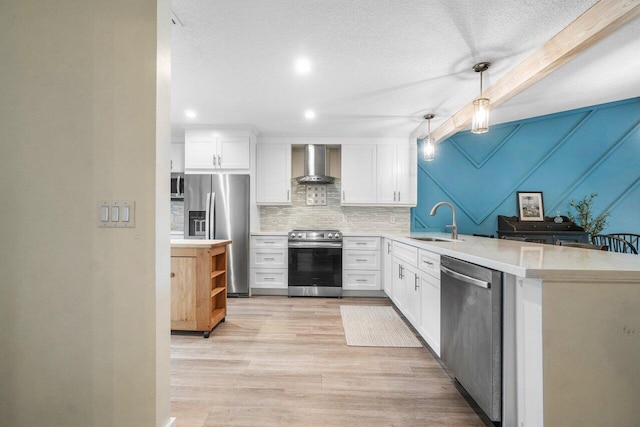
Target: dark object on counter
[547, 231]
[584, 246]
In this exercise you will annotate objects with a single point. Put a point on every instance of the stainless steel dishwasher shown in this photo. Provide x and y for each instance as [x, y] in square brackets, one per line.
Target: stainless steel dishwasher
[471, 331]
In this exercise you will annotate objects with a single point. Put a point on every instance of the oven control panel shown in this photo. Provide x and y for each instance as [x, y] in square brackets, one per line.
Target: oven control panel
[315, 235]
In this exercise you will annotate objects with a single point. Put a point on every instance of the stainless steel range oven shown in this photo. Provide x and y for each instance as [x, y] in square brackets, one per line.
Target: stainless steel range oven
[315, 263]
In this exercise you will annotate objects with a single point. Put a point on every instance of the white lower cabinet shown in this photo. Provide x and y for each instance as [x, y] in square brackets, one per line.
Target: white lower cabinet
[361, 259]
[269, 278]
[413, 292]
[361, 263]
[269, 258]
[405, 258]
[361, 280]
[429, 279]
[413, 278]
[268, 262]
[387, 266]
[398, 294]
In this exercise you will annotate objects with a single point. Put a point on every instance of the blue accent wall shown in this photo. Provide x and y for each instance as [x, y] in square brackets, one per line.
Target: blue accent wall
[566, 156]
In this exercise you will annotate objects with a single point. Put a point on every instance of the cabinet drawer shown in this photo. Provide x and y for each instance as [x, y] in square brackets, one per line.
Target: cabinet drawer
[361, 280]
[269, 278]
[406, 253]
[429, 262]
[352, 259]
[269, 258]
[362, 243]
[269, 242]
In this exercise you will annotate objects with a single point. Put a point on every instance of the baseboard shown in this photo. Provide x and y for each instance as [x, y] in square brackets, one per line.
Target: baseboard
[265, 291]
[375, 294]
[345, 293]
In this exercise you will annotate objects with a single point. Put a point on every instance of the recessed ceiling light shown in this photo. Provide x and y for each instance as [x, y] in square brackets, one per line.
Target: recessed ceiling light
[190, 114]
[302, 66]
[310, 114]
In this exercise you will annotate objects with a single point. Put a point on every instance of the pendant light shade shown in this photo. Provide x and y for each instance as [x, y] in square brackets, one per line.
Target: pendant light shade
[428, 144]
[480, 120]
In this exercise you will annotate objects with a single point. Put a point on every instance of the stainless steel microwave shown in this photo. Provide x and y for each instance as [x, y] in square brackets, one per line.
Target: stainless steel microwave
[177, 186]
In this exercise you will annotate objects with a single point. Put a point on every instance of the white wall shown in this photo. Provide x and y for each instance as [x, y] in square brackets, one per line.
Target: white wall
[84, 335]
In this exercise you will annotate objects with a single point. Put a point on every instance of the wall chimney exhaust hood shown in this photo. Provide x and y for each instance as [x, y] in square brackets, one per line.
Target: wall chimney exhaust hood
[315, 166]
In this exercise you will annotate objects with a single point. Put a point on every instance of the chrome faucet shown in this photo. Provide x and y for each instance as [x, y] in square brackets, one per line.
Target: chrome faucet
[454, 227]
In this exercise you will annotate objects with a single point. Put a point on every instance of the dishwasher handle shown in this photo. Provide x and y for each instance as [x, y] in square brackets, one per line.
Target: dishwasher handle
[465, 278]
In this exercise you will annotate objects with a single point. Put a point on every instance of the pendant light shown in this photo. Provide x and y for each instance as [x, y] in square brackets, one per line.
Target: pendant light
[480, 121]
[428, 145]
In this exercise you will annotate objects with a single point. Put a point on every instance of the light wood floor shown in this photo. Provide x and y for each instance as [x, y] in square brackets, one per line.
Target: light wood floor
[280, 361]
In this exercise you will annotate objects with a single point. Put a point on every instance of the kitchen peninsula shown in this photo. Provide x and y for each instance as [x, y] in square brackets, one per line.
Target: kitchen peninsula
[198, 284]
[571, 328]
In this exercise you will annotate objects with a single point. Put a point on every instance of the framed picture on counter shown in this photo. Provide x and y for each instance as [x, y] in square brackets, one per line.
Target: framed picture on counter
[530, 206]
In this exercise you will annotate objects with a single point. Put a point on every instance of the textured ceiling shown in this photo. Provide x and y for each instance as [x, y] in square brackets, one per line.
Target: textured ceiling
[377, 65]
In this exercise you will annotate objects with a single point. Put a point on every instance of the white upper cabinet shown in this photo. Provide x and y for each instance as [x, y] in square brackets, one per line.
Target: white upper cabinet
[358, 175]
[383, 174]
[177, 157]
[199, 150]
[407, 174]
[233, 152]
[273, 174]
[387, 165]
[208, 150]
[397, 174]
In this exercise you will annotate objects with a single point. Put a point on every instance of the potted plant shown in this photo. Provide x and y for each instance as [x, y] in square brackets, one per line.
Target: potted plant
[584, 217]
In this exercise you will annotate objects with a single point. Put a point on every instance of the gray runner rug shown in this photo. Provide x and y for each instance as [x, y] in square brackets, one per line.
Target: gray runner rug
[375, 326]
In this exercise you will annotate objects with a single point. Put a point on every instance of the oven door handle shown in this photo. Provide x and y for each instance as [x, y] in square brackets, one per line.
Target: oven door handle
[315, 245]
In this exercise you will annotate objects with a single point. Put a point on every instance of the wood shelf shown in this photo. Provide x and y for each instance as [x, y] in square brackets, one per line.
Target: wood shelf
[216, 291]
[217, 315]
[217, 273]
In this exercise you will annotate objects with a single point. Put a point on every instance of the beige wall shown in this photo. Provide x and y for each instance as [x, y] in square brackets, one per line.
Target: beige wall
[83, 311]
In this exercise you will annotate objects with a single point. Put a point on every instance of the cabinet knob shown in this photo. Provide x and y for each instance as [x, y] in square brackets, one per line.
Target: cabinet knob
[173, 274]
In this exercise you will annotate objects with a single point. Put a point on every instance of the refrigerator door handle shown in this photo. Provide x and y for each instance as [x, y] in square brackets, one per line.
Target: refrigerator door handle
[211, 216]
[207, 214]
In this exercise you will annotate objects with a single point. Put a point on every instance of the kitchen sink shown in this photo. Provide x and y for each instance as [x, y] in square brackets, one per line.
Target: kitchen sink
[434, 239]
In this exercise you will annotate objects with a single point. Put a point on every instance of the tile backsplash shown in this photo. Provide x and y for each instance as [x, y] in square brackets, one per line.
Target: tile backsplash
[177, 215]
[332, 215]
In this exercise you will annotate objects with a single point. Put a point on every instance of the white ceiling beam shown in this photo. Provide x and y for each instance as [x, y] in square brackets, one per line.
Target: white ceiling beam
[602, 19]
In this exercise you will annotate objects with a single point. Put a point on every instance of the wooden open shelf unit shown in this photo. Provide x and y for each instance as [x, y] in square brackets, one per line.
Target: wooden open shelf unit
[198, 288]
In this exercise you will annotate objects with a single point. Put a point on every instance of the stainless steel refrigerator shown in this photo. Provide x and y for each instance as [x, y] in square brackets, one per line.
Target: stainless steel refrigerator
[217, 207]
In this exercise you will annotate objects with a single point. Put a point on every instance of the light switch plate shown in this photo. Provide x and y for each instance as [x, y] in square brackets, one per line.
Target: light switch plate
[116, 214]
[316, 195]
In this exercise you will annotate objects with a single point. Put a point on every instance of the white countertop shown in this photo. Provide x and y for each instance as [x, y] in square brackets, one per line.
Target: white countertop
[269, 233]
[197, 243]
[532, 259]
